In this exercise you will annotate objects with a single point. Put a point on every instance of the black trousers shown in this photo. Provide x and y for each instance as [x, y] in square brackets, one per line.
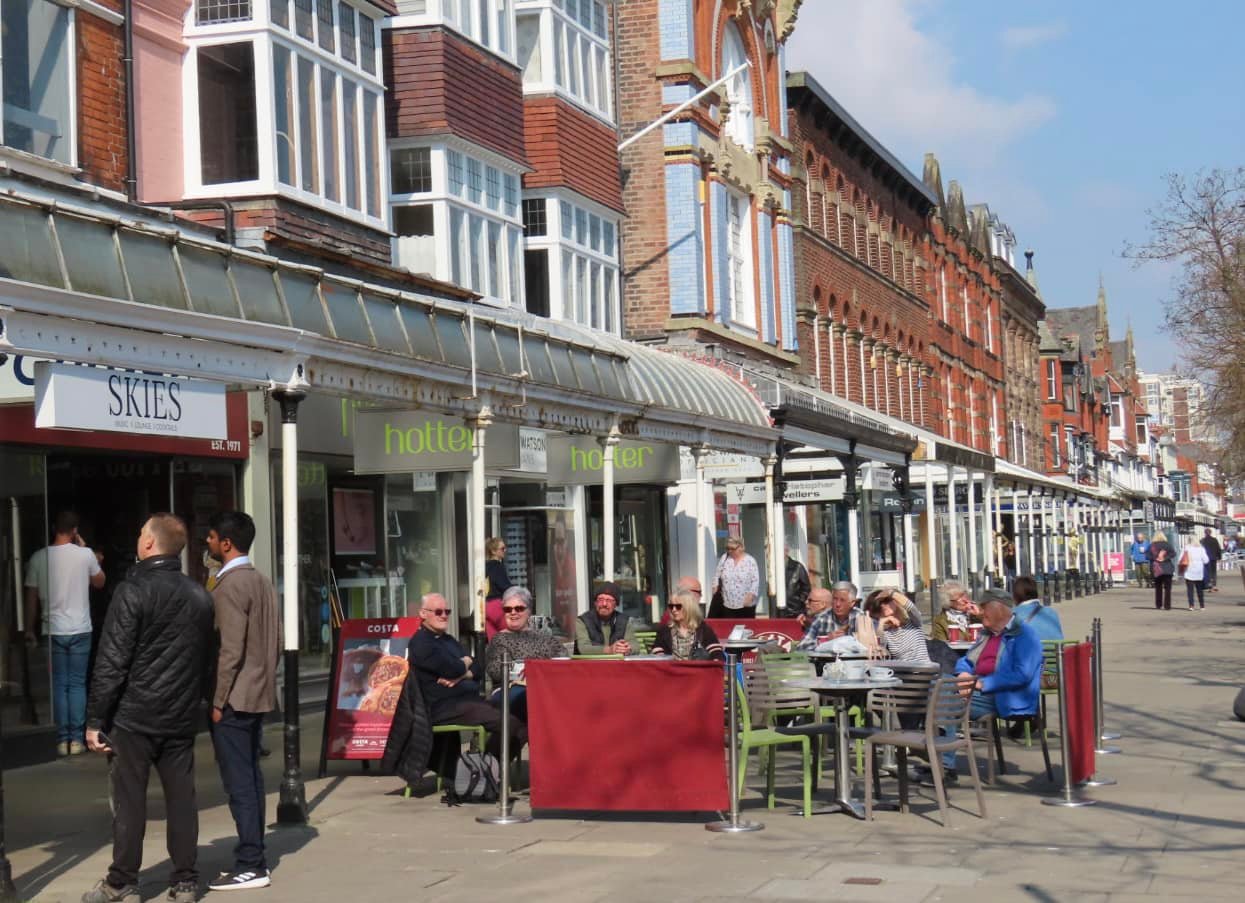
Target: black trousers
[474, 710]
[236, 740]
[130, 768]
[1163, 591]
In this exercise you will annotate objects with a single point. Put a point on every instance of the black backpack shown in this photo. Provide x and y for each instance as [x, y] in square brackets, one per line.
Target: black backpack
[475, 779]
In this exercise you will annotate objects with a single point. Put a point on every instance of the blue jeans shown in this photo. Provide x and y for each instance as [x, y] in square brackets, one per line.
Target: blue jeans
[982, 704]
[518, 702]
[236, 739]
[70, 657]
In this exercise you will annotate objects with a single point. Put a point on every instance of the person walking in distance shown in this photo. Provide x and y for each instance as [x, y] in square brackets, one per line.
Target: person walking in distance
[245, 690]
[150, 675]
[60, 578]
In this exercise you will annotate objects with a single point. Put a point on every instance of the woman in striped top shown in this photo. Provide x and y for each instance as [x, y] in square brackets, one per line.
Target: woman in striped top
[899, 634]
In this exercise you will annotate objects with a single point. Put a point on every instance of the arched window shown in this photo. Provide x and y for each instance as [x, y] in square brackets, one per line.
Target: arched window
[738, 89]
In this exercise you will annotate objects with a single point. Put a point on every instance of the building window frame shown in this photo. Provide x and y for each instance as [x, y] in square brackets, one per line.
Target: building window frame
[493, 32]
[67, 90]
[581, 237]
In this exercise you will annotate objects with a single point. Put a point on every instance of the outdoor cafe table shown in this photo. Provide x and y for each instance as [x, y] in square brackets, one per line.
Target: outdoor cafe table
[626, 736]
[842, 695]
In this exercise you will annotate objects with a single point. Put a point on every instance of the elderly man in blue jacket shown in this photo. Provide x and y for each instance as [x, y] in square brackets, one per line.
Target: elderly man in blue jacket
[1003, 671]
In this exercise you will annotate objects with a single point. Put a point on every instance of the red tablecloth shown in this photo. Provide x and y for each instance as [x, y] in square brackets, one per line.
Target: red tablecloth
[626, 736]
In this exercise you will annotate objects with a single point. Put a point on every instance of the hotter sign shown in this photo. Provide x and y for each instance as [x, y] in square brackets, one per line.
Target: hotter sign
[410, 441]
[88, 398]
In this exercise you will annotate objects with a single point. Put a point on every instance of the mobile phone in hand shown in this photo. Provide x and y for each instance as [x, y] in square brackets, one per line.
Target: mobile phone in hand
[104, 740]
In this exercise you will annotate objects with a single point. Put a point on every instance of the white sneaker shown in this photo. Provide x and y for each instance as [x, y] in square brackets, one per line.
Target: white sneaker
[76, 748]
[245, 880]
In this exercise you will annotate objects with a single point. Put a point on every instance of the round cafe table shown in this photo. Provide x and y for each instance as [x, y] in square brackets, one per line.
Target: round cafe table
[961, 645]
[842, 694]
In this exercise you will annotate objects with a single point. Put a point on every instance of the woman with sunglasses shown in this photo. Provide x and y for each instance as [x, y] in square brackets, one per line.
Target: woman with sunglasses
[522, 643]
[687, 636]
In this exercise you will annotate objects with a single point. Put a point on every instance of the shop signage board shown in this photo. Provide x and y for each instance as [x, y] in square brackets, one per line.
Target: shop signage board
[801, 492]
[367, 681]
[1113, 563]
[533, 450]
[408, 441]
[74, 397]
[720, 465]
[745, 493]
[580, 461]
[17, 379]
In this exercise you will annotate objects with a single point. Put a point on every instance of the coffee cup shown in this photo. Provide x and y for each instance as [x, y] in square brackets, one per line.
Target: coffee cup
[853, 671]
[879, 673]
[953, 634]
[824, 638]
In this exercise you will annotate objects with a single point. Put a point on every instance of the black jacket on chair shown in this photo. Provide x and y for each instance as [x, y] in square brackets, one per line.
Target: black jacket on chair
[155, 653]
[409, 746]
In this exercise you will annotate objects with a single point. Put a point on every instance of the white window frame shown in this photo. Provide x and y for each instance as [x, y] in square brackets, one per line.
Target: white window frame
[1052, 382]
[567, 71]
[741, 127]
[449, 14]
[71, 126]
[445, 201]
[739, 293]
[264, 35]
[564, 299]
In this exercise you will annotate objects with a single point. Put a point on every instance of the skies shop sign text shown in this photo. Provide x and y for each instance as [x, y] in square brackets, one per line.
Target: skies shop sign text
[68, 396]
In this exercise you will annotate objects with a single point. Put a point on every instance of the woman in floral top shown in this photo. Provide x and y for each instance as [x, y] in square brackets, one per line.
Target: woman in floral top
[740, 581]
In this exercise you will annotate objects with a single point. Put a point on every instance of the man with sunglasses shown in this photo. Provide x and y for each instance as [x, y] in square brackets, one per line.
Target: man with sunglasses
[450, 681]
[522, 643]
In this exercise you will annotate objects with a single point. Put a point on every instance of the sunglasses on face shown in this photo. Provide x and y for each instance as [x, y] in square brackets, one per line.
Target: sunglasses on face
[437, 612]
[513, 609]
[674, 606]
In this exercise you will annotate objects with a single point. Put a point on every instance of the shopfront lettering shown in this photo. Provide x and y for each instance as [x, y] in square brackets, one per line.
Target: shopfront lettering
[625, 457]
[145, 397]
[383, 628]
[427, 437]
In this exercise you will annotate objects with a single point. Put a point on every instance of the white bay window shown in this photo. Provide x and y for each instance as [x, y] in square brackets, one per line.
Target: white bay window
[572, 261]
[285, 98]
[489, 23]
[564, 48]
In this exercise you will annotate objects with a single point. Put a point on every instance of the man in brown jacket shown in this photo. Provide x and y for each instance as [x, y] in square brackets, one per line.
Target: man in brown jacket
[246, 688]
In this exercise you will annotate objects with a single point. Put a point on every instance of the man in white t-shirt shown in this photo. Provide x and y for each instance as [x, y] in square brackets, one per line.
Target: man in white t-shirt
[59, 578]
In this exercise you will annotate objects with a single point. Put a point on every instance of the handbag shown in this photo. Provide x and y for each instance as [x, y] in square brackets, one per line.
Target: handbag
[716, 602]
[1183, 564]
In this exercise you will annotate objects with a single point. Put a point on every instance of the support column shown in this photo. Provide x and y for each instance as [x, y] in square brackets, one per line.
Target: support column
[292, 803]
[953, 524]
[970, 536]
[990, 525]
[931, 526]
[903, 482]
[476, 515]
[609, 526]
[1045, 527]
[775, 544]
[1033, 561]
[1069, 527]
[851, 500]
[698, 455]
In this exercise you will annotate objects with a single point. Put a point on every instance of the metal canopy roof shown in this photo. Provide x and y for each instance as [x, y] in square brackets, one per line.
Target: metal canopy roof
[82, 284]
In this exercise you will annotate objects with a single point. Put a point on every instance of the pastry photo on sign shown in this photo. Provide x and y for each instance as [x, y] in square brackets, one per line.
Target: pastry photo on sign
[367, 667]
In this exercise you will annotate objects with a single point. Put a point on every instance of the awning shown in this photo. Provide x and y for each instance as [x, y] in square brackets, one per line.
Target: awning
[89, 285]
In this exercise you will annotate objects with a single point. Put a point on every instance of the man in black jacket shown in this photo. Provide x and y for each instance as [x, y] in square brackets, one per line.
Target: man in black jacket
[150, 678]
[1214, 552]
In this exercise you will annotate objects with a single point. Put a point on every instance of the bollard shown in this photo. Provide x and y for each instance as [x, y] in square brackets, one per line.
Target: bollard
[1103, 733]
[504, 816]
[1095, 780]
[732, 825]
[1069, 798]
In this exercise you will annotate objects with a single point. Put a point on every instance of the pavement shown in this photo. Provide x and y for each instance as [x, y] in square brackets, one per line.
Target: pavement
[1170, 830]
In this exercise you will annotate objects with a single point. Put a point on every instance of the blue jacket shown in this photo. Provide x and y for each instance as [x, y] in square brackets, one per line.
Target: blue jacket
[1138, 551]
[1017, 677]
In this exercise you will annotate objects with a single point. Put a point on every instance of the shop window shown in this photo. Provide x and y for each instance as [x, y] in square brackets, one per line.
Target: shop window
[228, 145]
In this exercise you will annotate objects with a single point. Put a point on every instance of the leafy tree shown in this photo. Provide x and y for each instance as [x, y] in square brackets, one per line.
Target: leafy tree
[1200, 227]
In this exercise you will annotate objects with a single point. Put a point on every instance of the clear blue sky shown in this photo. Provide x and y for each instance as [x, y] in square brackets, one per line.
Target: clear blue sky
[1062, 116]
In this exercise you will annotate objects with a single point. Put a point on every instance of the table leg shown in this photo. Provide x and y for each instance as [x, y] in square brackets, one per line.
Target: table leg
[843, 799]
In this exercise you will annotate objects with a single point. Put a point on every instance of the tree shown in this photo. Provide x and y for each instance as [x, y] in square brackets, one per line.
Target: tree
[1200, 226]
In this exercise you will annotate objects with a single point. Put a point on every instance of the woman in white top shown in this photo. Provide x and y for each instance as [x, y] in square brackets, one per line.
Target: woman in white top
[1193, 563]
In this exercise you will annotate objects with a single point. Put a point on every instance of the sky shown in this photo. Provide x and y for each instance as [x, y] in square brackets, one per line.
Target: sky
[1063, 117]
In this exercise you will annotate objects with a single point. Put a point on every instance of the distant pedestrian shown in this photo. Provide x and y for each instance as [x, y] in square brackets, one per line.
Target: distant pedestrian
[798, 588]
[738, 582]
[1162, 558]
[1214, 552]
[246, 689]
[1193, 565]
[59, 577]
[1139, 551]
[150, 676]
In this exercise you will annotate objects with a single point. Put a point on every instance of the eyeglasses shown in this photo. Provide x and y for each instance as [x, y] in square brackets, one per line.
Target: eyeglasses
[512, 609]
[437, 612]
[674, 606]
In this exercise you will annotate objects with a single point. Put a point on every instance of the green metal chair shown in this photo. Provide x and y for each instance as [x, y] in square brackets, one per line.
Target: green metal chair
[764, 696]
[479, 736]
[646, 638]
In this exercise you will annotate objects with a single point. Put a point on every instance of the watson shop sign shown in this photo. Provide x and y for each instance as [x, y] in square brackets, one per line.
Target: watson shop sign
[119, 401]
[407, 441]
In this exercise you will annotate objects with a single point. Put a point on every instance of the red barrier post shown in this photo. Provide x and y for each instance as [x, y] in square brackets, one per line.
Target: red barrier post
[1072, 707]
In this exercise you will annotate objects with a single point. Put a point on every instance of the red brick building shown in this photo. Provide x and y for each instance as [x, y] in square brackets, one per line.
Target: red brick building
[861, 260]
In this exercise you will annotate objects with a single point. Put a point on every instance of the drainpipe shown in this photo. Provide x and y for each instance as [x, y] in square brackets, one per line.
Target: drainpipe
[224, 206]
[131, 142]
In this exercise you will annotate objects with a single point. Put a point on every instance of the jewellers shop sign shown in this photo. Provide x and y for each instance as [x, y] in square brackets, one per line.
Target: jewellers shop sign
[69, 396]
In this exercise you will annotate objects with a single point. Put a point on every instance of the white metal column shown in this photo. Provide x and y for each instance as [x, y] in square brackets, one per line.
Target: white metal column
[476, 515]
[931, 522]
[609, 524]
[953, 518]
[970, 536]
[774, 540]
[698, 455]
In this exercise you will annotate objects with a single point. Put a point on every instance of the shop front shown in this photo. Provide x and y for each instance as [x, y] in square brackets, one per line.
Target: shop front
[113, 447]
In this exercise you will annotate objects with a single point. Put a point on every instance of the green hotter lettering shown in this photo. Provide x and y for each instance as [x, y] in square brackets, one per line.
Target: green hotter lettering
[429, 437]
[625, 458]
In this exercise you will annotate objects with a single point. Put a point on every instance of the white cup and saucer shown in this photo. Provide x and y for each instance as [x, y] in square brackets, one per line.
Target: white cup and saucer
[877, 672]
[853, 671]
